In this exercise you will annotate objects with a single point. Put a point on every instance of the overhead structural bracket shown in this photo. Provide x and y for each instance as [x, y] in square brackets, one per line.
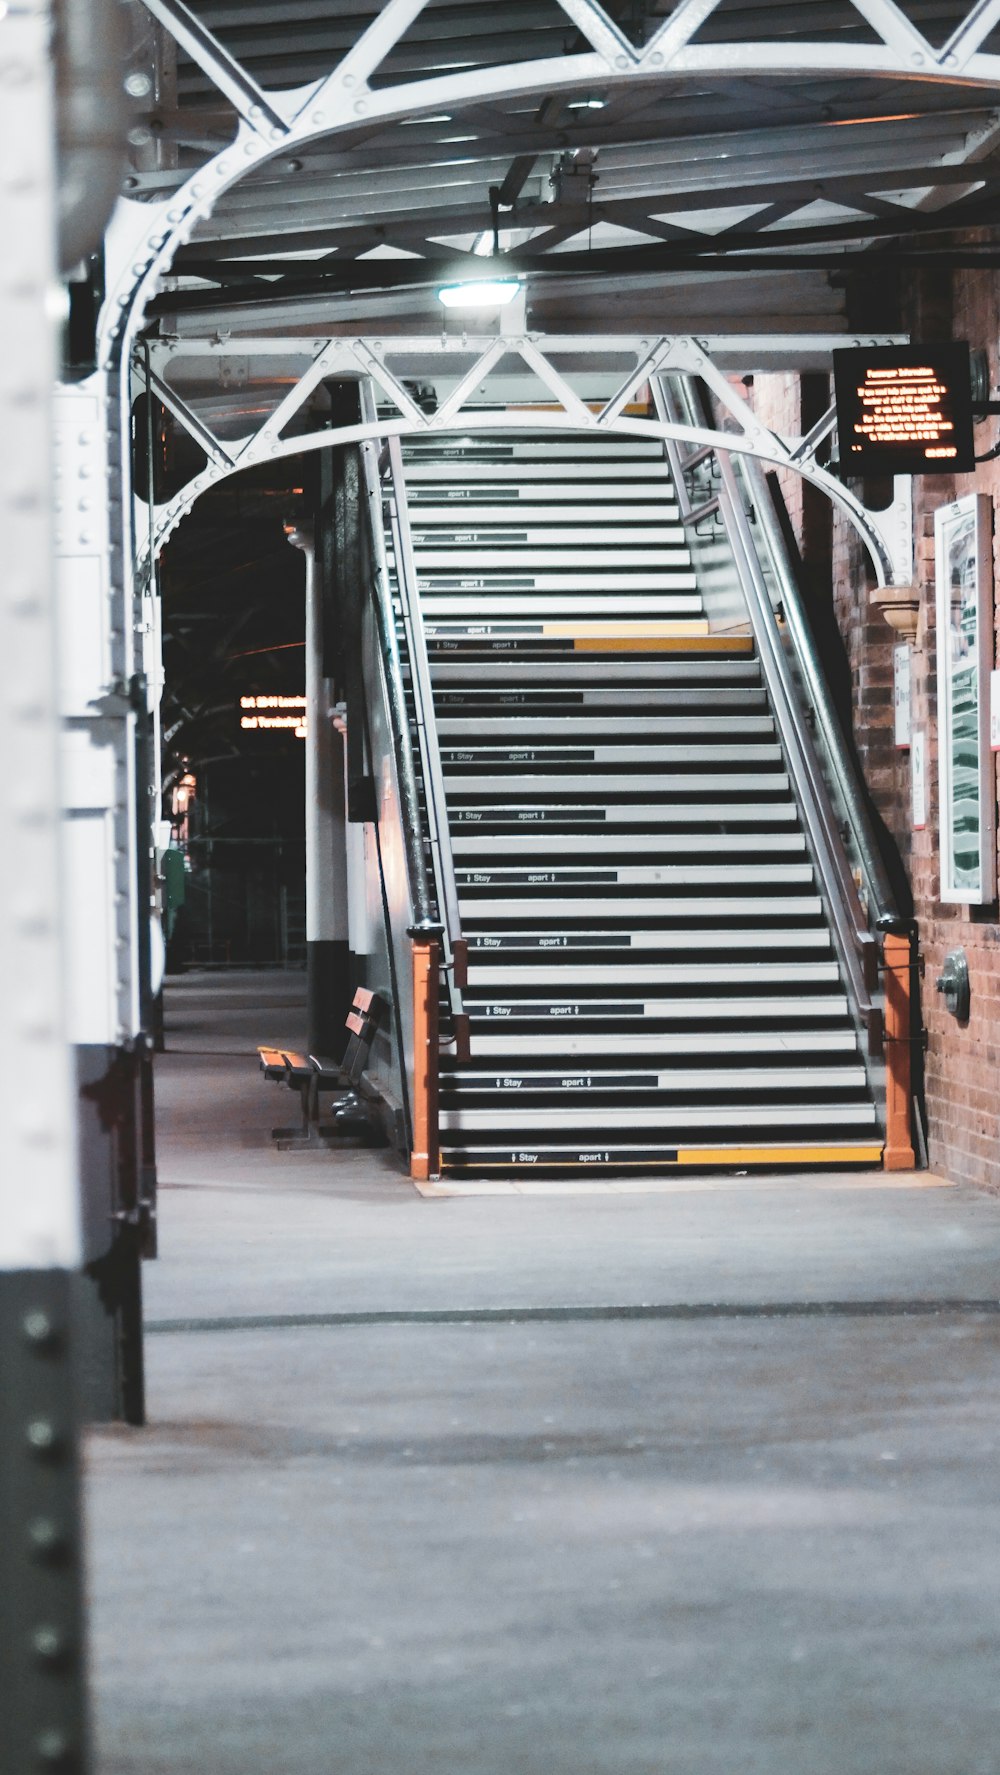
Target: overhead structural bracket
[475, 369]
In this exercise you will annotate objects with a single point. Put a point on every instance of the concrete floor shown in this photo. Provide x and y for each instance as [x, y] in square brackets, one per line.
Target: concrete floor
[754, 1528]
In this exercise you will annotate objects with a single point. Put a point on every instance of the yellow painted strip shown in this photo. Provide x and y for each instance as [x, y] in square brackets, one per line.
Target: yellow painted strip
[690, 625]
[732, 644]
[696, 1155]
[780, 1155]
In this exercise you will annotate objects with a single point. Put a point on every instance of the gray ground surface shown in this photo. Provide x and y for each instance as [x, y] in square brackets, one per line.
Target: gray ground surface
[577, 1547]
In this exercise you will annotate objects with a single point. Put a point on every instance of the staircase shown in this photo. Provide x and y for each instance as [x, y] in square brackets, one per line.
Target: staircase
[651, 979]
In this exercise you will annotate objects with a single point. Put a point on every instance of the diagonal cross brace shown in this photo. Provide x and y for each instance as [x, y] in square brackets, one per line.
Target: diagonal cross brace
[251, 101]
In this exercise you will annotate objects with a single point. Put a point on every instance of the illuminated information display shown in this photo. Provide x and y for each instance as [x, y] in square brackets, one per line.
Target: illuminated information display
[273, 714]
[904, 410]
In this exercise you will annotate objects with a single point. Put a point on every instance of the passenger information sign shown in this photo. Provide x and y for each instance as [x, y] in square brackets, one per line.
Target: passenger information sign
[904, 410]
[273, 714]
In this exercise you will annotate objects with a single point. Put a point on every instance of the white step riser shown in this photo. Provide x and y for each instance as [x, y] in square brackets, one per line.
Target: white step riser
[563, 597]
[534, 529]
[528, 473]
[515, 816]
[522, 729]
[480, 912]
[627, 875]
[549, 788]
[690, 1042]
[841, 1115]
[672, 1010]
[572, 974]
[486, 559]
[668, 942]
[540, 843]
[679, 1078]
[623, 756]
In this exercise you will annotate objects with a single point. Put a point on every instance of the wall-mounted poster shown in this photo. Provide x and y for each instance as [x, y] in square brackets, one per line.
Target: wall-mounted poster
[902, 697]
[918, 780]
[964, 552]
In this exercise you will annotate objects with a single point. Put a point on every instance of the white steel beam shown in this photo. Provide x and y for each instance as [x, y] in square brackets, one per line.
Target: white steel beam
[39, 1200]
[367, 359]
[97, 663]
[147, 237]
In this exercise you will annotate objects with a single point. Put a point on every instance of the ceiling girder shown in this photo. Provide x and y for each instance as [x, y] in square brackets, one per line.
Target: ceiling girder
[740, 430]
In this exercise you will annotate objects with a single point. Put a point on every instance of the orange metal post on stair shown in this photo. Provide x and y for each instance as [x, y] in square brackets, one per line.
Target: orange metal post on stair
[425, 1155]
[898, 1154]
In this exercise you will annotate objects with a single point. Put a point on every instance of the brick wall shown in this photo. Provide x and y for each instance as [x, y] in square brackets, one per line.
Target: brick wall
[962, 1064]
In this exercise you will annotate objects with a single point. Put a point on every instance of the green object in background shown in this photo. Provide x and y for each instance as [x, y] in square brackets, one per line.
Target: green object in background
[174, 889]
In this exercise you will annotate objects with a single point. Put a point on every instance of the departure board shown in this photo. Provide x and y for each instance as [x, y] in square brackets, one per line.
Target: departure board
[904, 410]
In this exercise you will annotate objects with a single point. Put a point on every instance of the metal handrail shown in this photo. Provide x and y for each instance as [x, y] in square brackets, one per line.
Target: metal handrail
[881, 895]
[411, 819]
[857, 945]
[442, 855]
[855, 942]
[888, 916]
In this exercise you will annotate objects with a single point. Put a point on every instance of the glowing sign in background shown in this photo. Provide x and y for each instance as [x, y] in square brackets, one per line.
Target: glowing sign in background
[904, 410]
[273, 714]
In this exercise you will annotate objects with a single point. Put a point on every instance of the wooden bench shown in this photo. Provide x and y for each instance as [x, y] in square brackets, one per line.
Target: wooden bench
[313, 1074]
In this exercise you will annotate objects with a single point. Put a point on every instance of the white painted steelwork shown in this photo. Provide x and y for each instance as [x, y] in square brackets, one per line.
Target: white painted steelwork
[364, 88]
[39, 1204]
[474, 360]
[99, 654]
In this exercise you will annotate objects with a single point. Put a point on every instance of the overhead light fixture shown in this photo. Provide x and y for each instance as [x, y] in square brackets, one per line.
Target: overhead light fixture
[481, 293]
[590, 101]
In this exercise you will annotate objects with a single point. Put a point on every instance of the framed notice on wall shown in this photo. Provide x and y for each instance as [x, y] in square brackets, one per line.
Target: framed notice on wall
[964, 569]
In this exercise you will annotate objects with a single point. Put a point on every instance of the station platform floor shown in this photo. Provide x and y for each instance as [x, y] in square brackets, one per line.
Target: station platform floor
[699, 1478]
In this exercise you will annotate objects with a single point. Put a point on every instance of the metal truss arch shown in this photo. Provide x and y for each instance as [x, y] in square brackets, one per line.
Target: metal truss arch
[145, 238]
[365, 360]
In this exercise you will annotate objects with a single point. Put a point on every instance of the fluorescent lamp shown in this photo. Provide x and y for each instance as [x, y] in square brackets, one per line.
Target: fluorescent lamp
[592, 101]
[481, 293]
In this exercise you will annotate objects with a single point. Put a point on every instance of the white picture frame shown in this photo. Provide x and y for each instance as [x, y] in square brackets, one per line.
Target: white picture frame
[963, 541]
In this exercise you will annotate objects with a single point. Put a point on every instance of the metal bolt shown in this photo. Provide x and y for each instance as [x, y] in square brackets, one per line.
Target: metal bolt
[138, 84]
[38, 1327]
[46, 1540]
[48, 1644]
[53, 1749]
[42, 1436]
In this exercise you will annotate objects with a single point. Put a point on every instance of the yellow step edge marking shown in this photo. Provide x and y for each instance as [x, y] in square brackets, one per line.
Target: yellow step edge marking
[694, 1155]
[780, 1155]
[687, 625]
[733, 644]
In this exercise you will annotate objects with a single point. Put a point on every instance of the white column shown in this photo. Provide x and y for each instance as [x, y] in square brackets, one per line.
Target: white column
[326, 868]
[43, 1713]
[39, 1203]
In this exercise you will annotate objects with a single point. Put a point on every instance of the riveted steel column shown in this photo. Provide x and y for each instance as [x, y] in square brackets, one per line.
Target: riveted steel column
[328, 981]
[43, 1713]
[103, 705]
